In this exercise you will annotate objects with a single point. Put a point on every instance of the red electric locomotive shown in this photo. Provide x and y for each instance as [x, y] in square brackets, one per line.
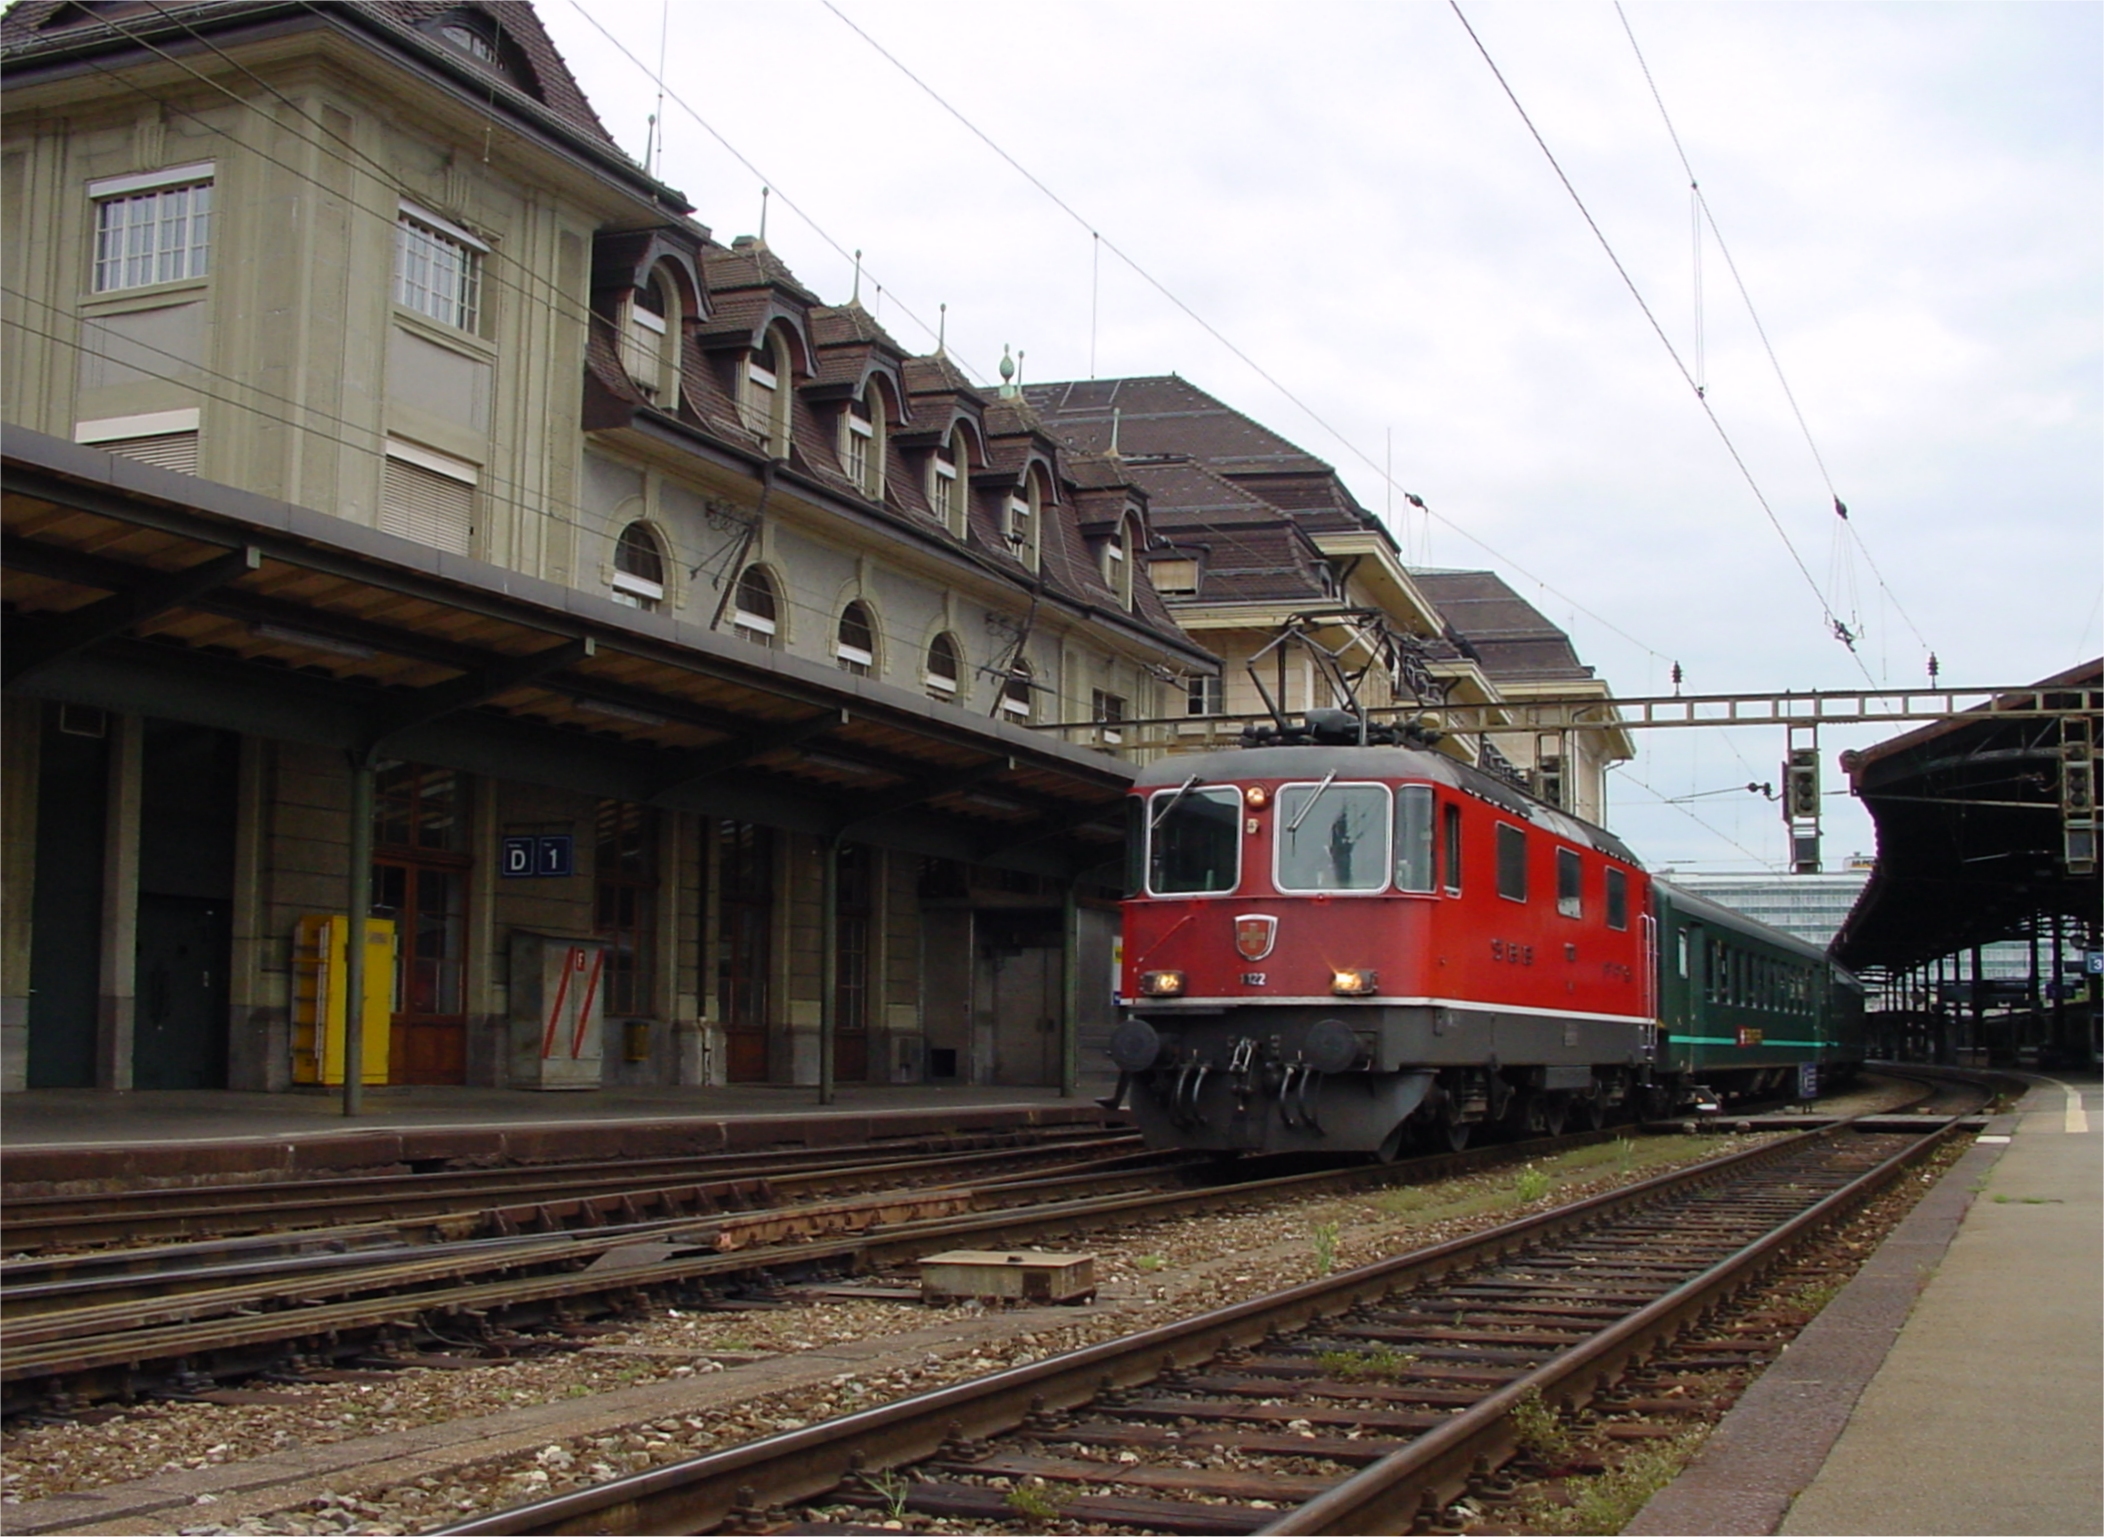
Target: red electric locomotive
[1347, 947]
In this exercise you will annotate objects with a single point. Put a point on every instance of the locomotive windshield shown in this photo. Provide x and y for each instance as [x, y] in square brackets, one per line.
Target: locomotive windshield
[1332, 837]
[1193, 841]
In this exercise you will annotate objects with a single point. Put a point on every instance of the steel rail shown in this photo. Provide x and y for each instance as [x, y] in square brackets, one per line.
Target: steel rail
[701, 1493]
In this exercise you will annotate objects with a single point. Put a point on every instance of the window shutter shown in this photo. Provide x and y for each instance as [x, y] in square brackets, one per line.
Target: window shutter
[167, 450]
[428, 507]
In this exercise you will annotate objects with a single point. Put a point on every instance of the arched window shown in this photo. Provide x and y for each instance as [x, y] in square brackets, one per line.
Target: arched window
[1015, 692]
[944, 672]
[763, 393]
[855, 643]
[753, 607]
[946, 470]
[862, 443]
[650, 340]
[639, 568]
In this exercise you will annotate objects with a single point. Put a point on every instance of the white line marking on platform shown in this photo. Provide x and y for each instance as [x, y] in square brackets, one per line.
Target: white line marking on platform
[2077, 1122]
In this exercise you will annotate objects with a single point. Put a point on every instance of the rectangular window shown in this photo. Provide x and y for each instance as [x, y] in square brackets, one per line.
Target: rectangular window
[1413, 838]
[1332, 837]
[152, 228]
[1173, 578]
[1194, 840]
[438, 269]
[625, 904]
[428, 497]
[1202, 695]
[757, 405]
[1618, 905]
[1453, 848]
[1512, 862]
[1570, 875]
[167, 439]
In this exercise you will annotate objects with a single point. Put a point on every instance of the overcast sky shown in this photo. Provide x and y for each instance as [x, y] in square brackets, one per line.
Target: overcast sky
[1345, 194]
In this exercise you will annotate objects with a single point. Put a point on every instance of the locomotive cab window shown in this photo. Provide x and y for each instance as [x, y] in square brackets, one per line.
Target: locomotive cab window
[1413, 838]
[1570, 874]
[1332, 837]
[1451, 822]
[1618, 906]
[1512, 862]
[1194, 840]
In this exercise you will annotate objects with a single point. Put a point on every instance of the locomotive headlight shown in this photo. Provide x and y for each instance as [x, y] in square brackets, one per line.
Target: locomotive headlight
[1354, 984]
[1161, 984]
[1256, 798]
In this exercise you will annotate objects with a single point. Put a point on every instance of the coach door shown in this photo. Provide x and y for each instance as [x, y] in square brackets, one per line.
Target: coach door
[420, 875]
[745, 934]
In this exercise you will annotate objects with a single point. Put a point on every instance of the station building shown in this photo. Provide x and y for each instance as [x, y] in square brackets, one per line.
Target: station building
[401, 483]
[409, 504]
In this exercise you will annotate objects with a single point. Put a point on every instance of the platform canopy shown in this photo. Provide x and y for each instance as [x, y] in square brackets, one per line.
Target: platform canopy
[137, 589]
[1972, 826]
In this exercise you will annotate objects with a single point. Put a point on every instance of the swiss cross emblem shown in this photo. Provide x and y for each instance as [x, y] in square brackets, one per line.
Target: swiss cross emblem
[1254, 934]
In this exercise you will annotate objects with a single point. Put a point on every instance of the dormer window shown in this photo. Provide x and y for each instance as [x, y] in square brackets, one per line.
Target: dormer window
[1117, 562]
[763, 401]
[862, 444]
[469, 35]
[946, 497]
[855, 642]
[639, 568]
[650, 341]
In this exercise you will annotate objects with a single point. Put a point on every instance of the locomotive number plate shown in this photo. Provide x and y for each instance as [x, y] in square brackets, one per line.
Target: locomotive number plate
[1253, 978]
[1509, 950]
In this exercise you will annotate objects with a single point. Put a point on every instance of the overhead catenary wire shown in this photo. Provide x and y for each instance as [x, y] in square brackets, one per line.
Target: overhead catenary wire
[1694, 388]
[1241, 355]
[1849, 530]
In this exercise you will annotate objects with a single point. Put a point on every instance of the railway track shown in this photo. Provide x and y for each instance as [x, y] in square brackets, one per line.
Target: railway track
[450, 1200]
[125, 1324]
[1358, 1402]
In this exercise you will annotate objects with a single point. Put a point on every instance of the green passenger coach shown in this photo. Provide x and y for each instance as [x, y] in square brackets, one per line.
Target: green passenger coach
[1742, 1007]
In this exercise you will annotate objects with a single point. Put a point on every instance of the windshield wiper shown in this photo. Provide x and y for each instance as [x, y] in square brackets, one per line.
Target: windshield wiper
[1301, 815]
[1169, 805]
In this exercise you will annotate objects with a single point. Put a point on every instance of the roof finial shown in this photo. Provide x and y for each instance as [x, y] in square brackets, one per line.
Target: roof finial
[856, 296]
[763, 216]
[1115, 414]
[1008, 388]
[942, 328]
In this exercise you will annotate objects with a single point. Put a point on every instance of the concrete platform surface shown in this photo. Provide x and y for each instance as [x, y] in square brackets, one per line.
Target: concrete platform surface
[1955, 1385]
[52, 1135]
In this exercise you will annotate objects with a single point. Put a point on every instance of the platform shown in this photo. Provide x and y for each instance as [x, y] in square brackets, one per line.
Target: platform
[50, 1135]
[1954, 1386]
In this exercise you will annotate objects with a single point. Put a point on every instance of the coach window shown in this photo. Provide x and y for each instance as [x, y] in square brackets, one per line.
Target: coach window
[1569, 873]
[1512, 862]
[1618, 904]
[1194, 840]
[1453, 849]
[1413, 838]
[1332, 837]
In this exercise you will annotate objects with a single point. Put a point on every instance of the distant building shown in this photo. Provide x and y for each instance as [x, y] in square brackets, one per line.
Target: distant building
[1813, 907]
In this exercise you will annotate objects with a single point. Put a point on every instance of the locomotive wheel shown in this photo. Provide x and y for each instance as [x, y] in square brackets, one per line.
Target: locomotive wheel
[1588, 1112]
[1554, 1110]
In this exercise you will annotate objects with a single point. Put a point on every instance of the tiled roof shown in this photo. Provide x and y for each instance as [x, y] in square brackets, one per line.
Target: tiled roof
[31, 28]
[747, 263]
[1512, 639]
